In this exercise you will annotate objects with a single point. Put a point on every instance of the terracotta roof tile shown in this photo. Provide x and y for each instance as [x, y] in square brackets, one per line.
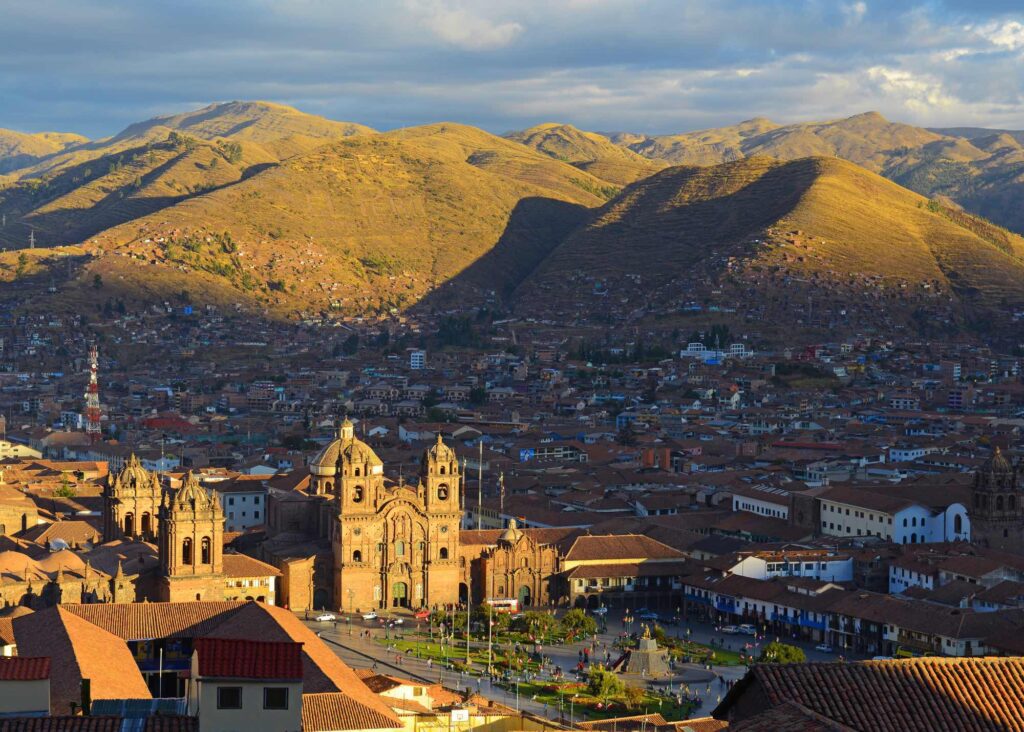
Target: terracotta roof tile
[246, 659]
[922, 694]
[78, 649]
[619, 546]
[61, 724]
[24, 668]
[240, 565]
[144, 621]
[334, 711]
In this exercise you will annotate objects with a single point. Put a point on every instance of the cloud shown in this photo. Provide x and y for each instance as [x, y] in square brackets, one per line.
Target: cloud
[643, 65]
[464, 28]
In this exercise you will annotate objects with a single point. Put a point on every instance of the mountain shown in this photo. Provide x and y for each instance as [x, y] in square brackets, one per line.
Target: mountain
[955, 164]
[761, 239]
[277, 130]
[364, 224]
[18, 149]
[588, 151]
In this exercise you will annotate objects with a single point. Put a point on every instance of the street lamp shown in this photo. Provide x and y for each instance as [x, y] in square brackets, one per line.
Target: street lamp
[572, 704]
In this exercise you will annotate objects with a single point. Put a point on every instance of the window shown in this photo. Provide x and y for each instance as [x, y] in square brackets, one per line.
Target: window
[256, 514]
[357, 556]
[399, 548]
[958, 524]
[256, 500]
[205, 550]
[145, 523]
[186, 551]
[229, 697]
[129, 524]
[443, 554]
[231, 501]
[275, 697]
[442, 493]
[357, 494]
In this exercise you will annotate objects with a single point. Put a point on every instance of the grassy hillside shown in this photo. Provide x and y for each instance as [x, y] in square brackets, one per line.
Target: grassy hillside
[366, 224]
[958, 164]
[277, 128]
[588, 151]
[729, 234]
[19, 149]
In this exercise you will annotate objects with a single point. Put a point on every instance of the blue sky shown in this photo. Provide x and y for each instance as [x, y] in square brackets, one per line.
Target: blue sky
[652, 66]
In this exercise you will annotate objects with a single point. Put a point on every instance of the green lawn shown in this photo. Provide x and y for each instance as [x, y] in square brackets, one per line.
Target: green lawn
[501, 657]
[586, 706]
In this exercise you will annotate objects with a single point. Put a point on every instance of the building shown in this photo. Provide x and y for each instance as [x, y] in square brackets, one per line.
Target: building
[417, 359]
[191, 544]
[243, 501]
[393, 545]
[912, 695]
[997, 505]
[245, 684]
[131, 500]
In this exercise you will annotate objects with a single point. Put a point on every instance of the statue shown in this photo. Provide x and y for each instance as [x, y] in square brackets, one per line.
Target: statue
[647, 631]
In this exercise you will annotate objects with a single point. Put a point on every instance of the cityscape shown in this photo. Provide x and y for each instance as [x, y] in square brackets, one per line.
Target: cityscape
[641, 420]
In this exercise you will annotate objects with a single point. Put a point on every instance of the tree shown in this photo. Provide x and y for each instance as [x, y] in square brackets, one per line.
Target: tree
[66, 490]
[97, 281]
[634, 696]
[604, 684]
[533, 622]
[577, 621]
[478, 395]
[22, 263]
[776, 652]
[351, 345]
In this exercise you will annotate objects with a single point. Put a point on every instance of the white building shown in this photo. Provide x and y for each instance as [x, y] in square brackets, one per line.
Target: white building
[417, 359]
[859, 512]
[809, 563]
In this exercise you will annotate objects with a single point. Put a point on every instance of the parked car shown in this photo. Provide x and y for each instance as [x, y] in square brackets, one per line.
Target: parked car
[422, 614]
[882, 658]
[730, 629]
[370, 615]
[326, 617]
[747, 629]
[824, 648]
[397, 621]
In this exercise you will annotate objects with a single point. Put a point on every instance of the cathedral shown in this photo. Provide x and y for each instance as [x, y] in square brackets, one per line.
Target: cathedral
[997, 504]
[393, 546]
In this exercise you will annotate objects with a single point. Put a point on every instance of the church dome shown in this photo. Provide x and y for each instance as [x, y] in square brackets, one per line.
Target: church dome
[345, 448]
[132, 474]
[511, 534]
[440, 452]
[998, 464]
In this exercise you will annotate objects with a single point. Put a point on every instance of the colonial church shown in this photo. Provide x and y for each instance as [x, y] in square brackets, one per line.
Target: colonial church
[393, 546]
[997, 504]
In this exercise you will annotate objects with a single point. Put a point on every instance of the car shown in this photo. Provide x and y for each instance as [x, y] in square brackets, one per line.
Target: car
[422, 614]
[882, 658]
[730, 629]
[649, 616]
[823, 648]
[397, 621]
[326, 617]
[600, 611]
[370, 615]
[747, 629]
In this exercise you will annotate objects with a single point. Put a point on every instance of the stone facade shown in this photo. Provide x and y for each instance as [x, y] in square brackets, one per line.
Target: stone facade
[997, 505]
[131, 502]
[517, 566]
[191, 544]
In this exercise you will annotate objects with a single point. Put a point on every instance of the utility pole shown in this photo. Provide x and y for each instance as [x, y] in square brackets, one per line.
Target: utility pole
[480, 488]
[31, 238]
[501, 497]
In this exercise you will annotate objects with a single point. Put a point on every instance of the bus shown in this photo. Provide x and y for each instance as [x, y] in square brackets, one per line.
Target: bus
[503, 604]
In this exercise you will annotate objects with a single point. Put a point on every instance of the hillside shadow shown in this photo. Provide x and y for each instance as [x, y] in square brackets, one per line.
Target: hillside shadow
[534, 229]
[657, 234]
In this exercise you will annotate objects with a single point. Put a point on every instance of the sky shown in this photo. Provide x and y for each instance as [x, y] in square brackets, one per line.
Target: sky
[646, 66]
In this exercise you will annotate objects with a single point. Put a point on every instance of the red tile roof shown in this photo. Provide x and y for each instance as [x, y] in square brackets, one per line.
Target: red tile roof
[245, 659]
[913, 695]
[334, 711]
[61, 724]
[24, 668]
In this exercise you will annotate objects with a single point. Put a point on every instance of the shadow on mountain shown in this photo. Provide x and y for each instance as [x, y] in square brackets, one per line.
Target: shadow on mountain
[535, 228]
[683, 217]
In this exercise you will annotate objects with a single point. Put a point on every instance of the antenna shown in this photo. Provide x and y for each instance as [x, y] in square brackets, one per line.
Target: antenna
[31, 238]
[92, 398]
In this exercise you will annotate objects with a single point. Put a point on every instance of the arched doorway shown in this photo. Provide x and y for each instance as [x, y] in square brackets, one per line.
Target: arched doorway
[400, 594]
[320, 598]
[580, 602]
[463, 593]
[593, 602]
[524, 596]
